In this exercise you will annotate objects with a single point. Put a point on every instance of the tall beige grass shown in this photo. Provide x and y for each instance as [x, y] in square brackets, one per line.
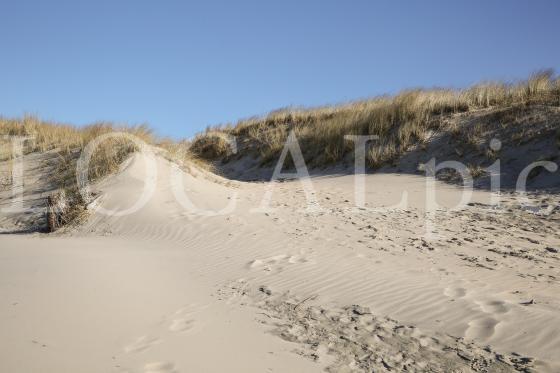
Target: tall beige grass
[66, 143]
[400, 121]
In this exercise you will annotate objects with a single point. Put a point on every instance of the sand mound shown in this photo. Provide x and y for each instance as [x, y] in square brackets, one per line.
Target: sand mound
[181, 284]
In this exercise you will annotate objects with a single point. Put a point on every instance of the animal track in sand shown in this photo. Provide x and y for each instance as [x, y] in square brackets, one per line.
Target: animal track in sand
[160, 367]
[141, 344]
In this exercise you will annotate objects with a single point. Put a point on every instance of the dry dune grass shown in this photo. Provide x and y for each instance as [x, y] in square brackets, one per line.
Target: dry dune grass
[180, 153]
[67, 139]
[401, 121]
[66, 143]
[106, 159]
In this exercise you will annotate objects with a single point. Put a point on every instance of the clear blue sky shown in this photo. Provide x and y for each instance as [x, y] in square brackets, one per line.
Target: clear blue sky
[181, 66]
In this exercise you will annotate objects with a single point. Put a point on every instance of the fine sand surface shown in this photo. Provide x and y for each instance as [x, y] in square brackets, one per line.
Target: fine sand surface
[294, 289]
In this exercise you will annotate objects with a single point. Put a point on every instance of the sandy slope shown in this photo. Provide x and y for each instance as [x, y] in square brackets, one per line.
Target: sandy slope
[169, 290]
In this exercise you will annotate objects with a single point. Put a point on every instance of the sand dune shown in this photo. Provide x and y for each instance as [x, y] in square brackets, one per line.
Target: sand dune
[178, 287]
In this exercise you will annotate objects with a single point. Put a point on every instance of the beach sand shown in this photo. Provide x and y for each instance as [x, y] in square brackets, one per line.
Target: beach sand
[299, 287]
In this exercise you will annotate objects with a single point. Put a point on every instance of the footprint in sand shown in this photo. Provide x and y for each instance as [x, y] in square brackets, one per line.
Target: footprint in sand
[481, 329]
[483, 326]
[183, 321]
[160, 367]
[493, 306]
[454, 292]
[181, 325]
[141, 344]
[278, 261]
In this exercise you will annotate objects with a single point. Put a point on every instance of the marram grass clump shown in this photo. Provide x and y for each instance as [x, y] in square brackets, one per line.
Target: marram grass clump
[66, 143]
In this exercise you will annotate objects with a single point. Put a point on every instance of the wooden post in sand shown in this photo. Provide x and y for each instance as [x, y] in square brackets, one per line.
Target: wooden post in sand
[56, 204]
[51, 214]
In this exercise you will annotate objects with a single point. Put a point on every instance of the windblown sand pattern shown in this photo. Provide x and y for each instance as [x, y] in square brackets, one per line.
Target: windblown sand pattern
[337, 288]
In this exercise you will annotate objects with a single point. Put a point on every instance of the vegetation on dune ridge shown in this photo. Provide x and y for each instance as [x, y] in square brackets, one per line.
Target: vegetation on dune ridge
[402, 121]
[65, 144]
